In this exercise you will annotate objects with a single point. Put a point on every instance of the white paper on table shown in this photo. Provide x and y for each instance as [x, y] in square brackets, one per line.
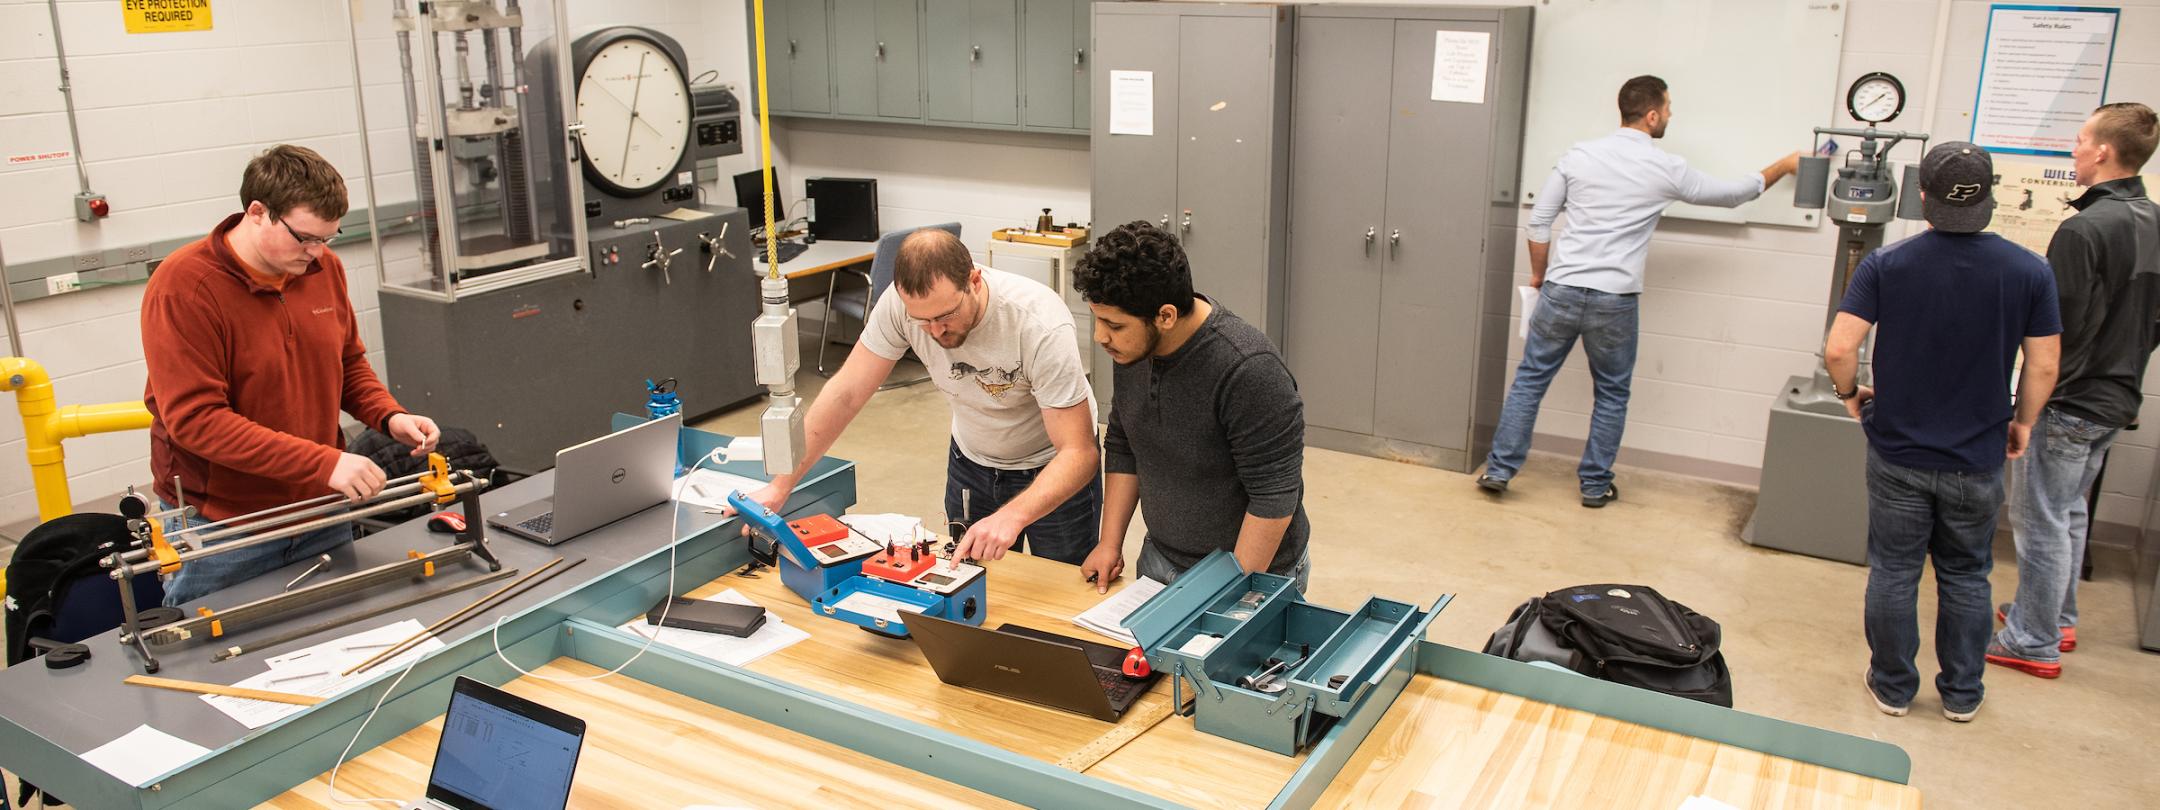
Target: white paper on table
[1132, 102]
[887, 528]
[1108, 616]
[775, 635]
[710, 488]
[875, 606]
[139, 757]
[1529, 297]
[314, 671]
[1458, 65]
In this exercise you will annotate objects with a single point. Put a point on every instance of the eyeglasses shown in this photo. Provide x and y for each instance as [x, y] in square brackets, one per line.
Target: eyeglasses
[946, 319]
[310, 241]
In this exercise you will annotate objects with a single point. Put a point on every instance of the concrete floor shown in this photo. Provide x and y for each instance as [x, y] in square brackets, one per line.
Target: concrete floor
[1792, 623]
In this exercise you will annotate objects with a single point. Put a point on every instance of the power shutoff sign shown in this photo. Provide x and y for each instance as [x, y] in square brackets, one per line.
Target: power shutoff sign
[162, 16]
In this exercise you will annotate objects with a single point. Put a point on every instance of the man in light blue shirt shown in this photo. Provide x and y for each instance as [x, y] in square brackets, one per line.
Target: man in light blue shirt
[1613, 188]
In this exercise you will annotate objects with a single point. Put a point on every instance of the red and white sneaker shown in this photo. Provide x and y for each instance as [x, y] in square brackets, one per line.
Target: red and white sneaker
[1998, 655]
[2069, 633]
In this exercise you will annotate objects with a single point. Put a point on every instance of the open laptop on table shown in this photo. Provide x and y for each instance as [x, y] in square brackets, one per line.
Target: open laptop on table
[1022, 663]
[600, 482]
[502, 752]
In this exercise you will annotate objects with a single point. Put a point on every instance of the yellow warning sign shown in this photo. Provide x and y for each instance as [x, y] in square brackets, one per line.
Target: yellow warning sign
[162, 16]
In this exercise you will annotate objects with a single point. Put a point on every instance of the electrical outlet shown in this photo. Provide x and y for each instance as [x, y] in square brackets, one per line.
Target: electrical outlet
[63, 283]
[89, 261]
[138, 253]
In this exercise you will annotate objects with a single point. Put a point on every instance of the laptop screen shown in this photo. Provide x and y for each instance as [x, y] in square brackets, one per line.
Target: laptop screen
[500, 752]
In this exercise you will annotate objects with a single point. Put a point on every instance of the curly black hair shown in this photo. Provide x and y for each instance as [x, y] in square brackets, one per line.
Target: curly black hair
[1137, 268]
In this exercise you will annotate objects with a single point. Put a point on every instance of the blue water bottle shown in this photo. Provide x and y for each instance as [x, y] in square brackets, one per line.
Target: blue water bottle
[663, 401]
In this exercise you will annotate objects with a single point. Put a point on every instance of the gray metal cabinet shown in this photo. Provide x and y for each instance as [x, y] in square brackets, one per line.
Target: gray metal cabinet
[1053, 66]
[876, 59]
[1213, 172]
[1402, 231]
[809, 81]
[971, 61]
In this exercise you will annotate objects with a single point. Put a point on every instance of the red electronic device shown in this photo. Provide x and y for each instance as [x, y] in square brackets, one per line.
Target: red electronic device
[900, 564]
[817, 530]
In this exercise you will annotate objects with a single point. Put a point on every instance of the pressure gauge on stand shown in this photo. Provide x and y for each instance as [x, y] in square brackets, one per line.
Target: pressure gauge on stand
[1875, 98]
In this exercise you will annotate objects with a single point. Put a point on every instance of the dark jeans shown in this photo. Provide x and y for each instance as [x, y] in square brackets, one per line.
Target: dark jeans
[212, 574]
[1067, 534]
[1915, 516]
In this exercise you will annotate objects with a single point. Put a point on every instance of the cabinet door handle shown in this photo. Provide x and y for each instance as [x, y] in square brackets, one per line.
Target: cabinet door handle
[1164, 222]
[1079, 55]
[791, 46]
[1370, 232]
[1186, 225]
[1394, 241]
[975, 53]
[881, 51]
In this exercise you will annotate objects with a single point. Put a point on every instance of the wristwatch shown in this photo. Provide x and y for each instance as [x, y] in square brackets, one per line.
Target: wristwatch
[1843, 395]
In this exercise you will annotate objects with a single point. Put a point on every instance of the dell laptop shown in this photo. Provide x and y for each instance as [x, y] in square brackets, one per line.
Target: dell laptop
[502, 752]
[600, 482]
[1031, 665]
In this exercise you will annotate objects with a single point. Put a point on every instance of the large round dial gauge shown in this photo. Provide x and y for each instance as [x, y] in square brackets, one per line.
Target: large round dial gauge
[636, 110]
[1875, 98]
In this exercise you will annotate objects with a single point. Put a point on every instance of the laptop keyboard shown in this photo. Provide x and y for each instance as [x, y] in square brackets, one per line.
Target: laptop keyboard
[1116, 685]
[542, 525]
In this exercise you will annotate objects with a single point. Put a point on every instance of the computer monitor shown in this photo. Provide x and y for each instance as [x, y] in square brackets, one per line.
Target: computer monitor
[750, 195]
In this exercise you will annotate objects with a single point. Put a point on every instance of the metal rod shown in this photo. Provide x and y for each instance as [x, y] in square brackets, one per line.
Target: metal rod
[136, 561]
[7, 297]
[367, 161]
[262, 515]
[67, 96]
[279, 604]
[457, 616]
[237, 650]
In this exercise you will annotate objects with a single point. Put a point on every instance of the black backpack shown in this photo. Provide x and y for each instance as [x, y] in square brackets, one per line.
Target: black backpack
[1627, 634]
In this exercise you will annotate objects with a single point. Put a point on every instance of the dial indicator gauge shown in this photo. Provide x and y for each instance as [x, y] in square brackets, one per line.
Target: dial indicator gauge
[636, 113]
[1875, 98]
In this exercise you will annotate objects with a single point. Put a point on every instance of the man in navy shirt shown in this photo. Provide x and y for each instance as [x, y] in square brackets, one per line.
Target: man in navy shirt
[1951, 308]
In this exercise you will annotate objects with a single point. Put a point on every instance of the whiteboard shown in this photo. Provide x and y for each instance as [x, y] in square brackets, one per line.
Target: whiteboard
[1750, 80]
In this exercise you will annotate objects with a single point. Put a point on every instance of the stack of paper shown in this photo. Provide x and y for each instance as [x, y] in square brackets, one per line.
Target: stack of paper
[888, 528]
[314, 671]
[1108, 616]
[710, 488]
[774, 636]
[139, 757]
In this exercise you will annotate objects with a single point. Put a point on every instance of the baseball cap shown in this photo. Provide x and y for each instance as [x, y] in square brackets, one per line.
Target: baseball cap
[1958, 179]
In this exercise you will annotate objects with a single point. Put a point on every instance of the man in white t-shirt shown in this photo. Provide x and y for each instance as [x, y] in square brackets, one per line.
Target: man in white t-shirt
[1002, 349]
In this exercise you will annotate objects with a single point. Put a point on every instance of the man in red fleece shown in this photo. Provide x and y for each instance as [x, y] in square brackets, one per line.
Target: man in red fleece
[253, 348]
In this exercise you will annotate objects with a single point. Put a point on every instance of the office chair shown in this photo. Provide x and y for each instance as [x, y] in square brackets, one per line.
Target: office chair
[874, 285]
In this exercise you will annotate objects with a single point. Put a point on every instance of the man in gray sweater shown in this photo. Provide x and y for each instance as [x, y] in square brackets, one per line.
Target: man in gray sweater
[1206, 426]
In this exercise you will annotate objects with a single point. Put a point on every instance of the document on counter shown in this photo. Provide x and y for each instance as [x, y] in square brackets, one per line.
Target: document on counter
[775, 635]
[710, 488]
[1108, 616]
[888, 528]
[139, 757]
[314, 671]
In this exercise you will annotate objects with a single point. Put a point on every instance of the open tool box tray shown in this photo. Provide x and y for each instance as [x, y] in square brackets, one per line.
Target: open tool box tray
[965, 606]
[1325, 663]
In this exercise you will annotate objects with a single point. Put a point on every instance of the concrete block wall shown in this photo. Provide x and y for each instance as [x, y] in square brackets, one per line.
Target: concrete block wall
[167, 123]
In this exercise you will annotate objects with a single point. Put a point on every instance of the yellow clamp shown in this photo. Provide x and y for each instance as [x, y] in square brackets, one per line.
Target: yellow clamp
[217, 626]
[427, 569]
[437, 479]
[168, 559]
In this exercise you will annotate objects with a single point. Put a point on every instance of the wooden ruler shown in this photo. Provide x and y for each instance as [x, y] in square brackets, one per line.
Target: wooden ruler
[1150, 709]
[221, 689]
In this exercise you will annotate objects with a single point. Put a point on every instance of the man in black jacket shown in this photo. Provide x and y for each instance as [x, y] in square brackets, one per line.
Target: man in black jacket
[2106, 260]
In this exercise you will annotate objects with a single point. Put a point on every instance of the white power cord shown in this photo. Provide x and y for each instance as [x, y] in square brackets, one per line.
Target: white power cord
[718, 455]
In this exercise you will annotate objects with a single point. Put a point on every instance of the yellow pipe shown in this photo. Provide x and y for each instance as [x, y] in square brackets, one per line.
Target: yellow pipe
[45, 424]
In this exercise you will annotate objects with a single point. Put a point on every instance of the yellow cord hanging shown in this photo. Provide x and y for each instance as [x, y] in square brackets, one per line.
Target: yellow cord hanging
[764, 130]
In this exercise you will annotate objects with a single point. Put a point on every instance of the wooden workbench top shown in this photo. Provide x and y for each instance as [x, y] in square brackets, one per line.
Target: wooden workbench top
[647, 747]
[1172, 760]
[1448, 744]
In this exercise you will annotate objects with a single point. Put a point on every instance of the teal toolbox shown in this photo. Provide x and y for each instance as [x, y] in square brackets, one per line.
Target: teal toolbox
[1279, 670]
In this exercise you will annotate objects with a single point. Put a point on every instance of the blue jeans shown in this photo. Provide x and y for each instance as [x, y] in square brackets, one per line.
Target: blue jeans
[1067, 534]
[1153, 565]
[1915, 516]
[212, 574]
[1606, 324]
[2048, 516]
